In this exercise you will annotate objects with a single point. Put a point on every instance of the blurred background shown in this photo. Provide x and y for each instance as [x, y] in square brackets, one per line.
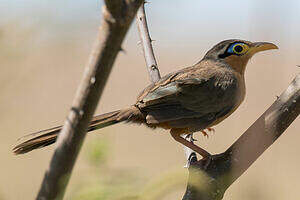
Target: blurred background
[44, 46]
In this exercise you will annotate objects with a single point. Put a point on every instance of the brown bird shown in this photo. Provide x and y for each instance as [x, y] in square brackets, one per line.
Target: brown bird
[186, 101]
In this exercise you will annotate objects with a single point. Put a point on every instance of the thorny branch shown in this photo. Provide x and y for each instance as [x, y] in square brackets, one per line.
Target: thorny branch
[146, 43]
[152, 66]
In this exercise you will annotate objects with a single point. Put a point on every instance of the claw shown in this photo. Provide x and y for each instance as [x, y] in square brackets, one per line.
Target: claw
[189, 137]
[205, 134]
[211, 129]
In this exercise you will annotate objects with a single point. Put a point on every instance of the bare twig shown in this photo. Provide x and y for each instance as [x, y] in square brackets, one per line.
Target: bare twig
[117, 17]
[209, 181]
[146, 42]
[152, 66]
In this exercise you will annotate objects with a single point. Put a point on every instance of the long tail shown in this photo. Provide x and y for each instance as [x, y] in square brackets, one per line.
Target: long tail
[48, 136]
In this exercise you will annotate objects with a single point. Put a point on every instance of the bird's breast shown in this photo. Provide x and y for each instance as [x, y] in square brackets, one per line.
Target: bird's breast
[234, 95]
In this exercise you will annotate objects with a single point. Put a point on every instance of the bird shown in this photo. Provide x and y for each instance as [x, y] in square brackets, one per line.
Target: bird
[186, 101]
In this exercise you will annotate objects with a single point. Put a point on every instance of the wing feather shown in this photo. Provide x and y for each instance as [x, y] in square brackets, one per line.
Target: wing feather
[188, 93]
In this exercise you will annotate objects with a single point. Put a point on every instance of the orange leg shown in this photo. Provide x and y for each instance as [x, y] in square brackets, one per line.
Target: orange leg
[176, 135]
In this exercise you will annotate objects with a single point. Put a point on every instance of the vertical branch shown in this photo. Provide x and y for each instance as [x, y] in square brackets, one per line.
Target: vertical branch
[146, 42]
[117, 17]
[152, 66]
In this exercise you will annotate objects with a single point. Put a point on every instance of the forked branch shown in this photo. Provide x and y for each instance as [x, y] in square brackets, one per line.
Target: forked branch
[209, 181]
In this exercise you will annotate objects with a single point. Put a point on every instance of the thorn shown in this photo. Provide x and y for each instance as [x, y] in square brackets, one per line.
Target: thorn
[298, 65]
[152, 40]
[204, 133]
[211, 129]
[277, 97]
[153, 67]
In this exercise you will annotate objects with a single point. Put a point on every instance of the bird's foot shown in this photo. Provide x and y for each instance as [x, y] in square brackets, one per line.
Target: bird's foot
[176, 134]
[193, 139]
[204, 133]
[209, 129]
[189, 137]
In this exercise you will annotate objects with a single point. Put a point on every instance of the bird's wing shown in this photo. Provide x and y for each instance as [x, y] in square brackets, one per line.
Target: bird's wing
[188, 93]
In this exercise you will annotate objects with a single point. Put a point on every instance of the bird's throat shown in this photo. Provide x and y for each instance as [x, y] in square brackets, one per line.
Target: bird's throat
[237, 63]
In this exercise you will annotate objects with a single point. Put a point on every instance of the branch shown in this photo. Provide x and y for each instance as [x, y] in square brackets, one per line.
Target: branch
[117, 17]
[209, 180]
[152, 66]
[146, 42]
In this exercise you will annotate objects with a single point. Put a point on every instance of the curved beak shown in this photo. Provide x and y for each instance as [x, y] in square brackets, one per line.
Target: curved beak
[262, 46]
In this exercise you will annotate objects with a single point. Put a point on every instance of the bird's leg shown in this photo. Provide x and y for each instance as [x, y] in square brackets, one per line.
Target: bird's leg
[176, 135]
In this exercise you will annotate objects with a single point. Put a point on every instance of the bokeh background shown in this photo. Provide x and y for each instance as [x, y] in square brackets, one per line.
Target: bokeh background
[44, 46]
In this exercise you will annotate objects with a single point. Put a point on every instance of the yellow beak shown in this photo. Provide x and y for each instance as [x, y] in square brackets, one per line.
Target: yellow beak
[262, 46]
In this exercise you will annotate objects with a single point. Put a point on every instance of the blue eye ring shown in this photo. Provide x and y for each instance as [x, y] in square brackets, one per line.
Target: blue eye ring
[238, 48]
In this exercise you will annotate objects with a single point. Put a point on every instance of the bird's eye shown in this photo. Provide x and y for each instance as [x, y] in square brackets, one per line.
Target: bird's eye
[238, 48]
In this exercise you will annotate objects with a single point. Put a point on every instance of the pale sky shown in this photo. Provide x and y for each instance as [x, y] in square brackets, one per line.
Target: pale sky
[175, 21]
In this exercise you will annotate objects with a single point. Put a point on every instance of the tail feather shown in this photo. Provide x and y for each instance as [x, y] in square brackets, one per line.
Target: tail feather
[48, 136]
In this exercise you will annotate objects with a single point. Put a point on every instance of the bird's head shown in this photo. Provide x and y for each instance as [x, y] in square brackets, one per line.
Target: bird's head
[236, 53]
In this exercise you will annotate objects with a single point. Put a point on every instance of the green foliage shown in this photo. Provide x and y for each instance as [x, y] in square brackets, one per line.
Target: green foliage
[97, 152]
[105, 183]
[93, 192]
